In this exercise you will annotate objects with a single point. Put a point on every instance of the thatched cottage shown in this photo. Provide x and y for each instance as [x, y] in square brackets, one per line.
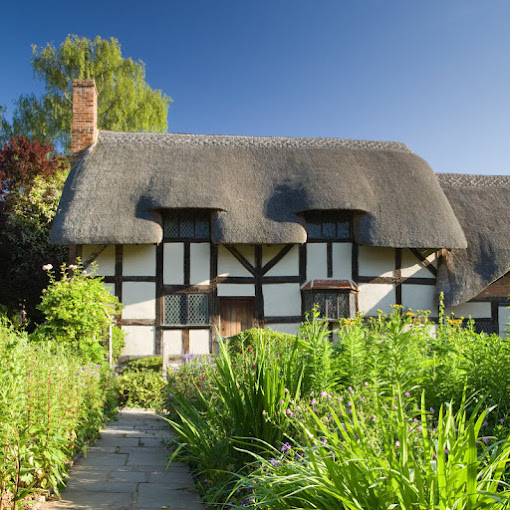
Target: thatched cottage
[198, 233]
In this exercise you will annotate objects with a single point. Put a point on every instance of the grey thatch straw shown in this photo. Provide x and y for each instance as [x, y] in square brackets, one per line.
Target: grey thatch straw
[482, 205]
[256, 187]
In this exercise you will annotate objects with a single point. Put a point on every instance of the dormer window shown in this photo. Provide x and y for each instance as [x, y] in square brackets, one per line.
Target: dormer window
[182, 225]
[328, 225]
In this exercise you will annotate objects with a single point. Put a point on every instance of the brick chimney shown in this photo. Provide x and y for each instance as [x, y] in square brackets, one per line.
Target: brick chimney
[84, 132]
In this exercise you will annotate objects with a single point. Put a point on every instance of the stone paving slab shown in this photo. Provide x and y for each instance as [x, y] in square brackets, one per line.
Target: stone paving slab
[126, 470]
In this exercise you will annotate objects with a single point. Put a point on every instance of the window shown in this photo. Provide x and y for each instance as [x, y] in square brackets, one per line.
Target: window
[328, 225]
[186, 310]
[187, 225]
[332, 305]
[336, 299]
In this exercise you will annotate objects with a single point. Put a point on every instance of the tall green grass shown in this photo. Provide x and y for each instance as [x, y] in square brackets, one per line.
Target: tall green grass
[50, 406]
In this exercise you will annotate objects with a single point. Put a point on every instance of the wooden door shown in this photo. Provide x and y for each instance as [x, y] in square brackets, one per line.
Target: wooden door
[236, 315]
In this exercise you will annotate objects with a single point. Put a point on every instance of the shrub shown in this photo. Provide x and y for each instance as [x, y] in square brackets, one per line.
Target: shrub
[78, 312]
[140, 383]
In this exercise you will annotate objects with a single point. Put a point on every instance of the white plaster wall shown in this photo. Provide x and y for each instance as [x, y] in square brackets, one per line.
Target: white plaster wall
[200, 263]
[282, 299]
[420, 297]
[316, 261]
[374, 296]
[229, 289]
[412, 267]
[139, 340]
[376, 261]
[139, 300]
[475, 310]
[288, 266]
[504, 319]
[139, 260]
[110, 287]
[199, 341]
[173, 264]
[342, 261]
[291, 329]
[105, 260]
[172, 338]
[228, 265]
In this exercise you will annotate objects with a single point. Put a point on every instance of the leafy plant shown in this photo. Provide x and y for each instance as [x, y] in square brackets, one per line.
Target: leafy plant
[140, 383]
[79, 311]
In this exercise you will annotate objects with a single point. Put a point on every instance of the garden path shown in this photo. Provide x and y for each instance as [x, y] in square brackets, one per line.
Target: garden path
[126, 470]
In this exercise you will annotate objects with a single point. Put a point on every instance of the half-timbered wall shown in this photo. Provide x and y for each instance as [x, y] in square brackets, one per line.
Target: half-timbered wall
[270, 275]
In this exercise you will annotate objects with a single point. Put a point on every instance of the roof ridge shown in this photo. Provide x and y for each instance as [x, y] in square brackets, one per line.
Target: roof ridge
[250, 141]
[473, 180]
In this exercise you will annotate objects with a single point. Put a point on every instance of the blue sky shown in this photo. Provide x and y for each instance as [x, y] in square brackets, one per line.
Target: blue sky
[433, 74]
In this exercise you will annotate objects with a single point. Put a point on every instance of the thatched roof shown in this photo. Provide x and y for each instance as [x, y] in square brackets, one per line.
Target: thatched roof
[482, 206]
[258, 188]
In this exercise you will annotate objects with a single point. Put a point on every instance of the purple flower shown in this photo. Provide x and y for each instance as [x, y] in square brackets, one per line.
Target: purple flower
[286, 390]
[397, 444]
[373, 417]
[314, 401]
[432, 410]
[485, 440]
[407, 394]
[286, 448]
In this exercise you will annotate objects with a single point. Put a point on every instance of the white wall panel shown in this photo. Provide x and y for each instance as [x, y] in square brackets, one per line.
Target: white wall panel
[316, 261]
[139, 341]
[420, 297]
[172, 338]
[173, 264]
[291, 329]
[199, 341]
[139, 260]
[288, 266]
[227, 289]
[504, 319]
[200, 263]
[475, 310]
[374, 296]
[105, 260]
[139, 300]
[376, 261]
[342, 261]
[228, 265]
[282, 299]
[412, 267]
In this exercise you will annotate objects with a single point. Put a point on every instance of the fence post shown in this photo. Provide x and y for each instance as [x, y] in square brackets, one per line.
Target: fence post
[164, 356]
[110, 345]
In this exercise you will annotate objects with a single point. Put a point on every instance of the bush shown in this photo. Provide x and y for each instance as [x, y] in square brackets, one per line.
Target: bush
[78, 312]
[140, 383]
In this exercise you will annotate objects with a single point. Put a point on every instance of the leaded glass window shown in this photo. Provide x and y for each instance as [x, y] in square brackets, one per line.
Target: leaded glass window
[328, 225]
[186, 309]
[186, 225]
[332, 305]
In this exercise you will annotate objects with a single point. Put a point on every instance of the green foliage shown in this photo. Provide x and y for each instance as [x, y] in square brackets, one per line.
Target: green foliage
[309, 423]
[140, 383]
[78, 312]
[126, 102]
[50, 406]
[31, 180]
[399, 457]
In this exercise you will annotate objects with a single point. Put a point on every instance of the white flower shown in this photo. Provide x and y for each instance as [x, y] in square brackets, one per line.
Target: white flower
[47, 267]
[72, 266]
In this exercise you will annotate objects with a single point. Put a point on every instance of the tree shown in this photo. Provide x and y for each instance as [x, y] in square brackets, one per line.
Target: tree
[31, 180]
[125, 101]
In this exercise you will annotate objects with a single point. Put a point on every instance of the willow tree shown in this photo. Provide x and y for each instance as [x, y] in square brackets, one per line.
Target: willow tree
[125, 102]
